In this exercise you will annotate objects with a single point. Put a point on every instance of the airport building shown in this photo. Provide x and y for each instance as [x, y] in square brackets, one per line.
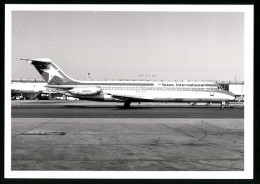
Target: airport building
[31, 89]
[35, 89]
[236, 87]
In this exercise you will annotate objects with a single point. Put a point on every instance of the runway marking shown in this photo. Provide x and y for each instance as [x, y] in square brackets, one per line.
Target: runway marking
[44, 133]
[33, 128]
[203, 138]
[234, 151]
[199, 139]
[178, 130]
[218, 127]
[190, 143]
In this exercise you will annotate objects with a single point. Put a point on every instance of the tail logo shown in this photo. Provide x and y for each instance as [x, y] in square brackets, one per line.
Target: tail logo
[52, 73]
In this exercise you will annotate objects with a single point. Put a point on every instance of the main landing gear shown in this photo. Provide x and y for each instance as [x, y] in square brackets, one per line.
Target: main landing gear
[127, 104]
[224, 105]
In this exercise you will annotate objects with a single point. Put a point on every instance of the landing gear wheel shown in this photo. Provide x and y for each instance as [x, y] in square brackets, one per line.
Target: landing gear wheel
[127, 104]
[224, 105]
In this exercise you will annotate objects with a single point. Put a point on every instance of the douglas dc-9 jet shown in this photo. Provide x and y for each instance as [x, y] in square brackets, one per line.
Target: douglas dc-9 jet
[130, 91]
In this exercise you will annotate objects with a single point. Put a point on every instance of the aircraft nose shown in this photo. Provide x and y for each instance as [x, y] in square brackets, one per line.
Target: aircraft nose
[232, 96]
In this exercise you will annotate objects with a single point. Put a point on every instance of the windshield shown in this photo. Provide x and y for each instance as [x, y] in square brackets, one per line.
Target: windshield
[220, 88]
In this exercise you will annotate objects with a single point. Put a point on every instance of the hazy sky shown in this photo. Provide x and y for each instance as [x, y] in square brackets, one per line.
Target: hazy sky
[123, 45]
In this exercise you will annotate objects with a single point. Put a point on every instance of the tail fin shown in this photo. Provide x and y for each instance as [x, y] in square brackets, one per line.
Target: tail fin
[50, 72]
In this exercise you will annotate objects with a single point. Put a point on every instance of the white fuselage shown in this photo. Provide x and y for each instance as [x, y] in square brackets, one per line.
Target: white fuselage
[129, 91]
[158, 91]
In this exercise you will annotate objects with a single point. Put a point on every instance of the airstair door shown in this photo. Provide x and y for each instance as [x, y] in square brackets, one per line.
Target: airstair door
[212, 92]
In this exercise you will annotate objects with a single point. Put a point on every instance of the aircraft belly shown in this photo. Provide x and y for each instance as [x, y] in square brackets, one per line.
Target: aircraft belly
[188, 96]
[158, 96]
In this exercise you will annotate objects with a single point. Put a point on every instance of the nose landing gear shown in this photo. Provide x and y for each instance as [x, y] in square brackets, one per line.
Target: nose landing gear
[208, 104]
[225, 105]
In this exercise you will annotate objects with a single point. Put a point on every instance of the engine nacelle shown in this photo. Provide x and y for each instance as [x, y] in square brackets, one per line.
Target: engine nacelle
[87, 91]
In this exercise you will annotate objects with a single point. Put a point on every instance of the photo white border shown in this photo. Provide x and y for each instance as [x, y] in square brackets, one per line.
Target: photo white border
[248, 91]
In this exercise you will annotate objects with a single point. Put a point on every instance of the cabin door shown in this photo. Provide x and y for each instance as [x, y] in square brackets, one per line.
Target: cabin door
[137, 89]
[212, 92]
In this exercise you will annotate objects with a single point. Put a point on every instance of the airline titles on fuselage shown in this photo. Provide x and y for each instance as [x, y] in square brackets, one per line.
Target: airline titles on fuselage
[183, 84]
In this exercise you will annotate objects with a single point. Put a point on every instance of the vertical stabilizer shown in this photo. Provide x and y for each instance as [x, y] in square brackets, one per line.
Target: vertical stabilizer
[50, 72]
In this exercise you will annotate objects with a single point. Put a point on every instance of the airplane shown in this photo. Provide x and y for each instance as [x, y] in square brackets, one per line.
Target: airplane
[131, 91]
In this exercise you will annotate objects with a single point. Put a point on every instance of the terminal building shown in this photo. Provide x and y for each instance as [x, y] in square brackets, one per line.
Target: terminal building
[35, 89]
[30, 89]
[236, 87]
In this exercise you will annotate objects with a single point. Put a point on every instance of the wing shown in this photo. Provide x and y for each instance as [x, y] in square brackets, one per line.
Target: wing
[133, 98]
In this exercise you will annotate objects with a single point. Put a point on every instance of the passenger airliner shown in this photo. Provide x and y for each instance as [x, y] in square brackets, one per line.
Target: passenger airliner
[130, 91]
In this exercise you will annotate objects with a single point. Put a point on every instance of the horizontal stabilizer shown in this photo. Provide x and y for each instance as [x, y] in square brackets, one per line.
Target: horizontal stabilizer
[42, 60]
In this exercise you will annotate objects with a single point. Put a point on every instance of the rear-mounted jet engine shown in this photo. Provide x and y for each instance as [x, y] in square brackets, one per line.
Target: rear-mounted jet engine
[87, 91]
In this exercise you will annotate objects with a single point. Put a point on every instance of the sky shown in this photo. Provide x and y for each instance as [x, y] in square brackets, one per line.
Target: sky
[127, 45]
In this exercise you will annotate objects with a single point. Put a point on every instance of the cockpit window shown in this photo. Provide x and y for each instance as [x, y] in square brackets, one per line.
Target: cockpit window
[220, 88]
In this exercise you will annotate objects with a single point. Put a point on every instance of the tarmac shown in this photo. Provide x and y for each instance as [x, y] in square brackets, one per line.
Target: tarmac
[86, 109]
[75, 136]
